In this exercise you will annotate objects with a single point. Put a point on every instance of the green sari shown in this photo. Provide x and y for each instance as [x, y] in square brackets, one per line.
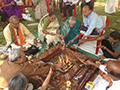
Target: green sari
[70, 33]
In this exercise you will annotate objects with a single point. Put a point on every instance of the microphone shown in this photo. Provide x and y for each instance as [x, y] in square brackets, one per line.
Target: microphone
[9, 46]
[17, 32]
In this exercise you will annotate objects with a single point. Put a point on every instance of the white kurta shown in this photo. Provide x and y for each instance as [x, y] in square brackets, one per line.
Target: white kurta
[110, 6]
[102, 84]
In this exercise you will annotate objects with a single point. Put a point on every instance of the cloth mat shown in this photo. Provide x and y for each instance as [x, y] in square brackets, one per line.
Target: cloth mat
[90, 47]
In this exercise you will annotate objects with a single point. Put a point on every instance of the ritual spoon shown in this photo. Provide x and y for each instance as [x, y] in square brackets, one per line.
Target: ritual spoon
[77, 77]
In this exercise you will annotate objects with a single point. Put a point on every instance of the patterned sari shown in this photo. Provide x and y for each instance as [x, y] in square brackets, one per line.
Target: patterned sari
[12, 9]
[70, 33]
[51, 28]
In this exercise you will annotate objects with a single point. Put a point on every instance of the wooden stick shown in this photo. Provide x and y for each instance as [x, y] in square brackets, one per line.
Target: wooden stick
[80, 60]
[63, 47]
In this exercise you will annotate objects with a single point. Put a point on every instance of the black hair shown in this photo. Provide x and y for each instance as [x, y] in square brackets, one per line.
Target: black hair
[88, 4]
[51, 13]
[117, 75]
[115, 35]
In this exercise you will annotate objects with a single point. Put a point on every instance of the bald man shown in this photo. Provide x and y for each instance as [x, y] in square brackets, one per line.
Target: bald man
[93, 23]
[112, 79]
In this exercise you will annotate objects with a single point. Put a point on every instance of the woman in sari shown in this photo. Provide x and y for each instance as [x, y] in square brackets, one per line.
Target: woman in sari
[40, 8]
[70, 31]
[10, 8]
[48, 28]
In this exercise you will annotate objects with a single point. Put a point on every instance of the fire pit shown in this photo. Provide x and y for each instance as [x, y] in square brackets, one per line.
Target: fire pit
[74, 70]
[66, 63]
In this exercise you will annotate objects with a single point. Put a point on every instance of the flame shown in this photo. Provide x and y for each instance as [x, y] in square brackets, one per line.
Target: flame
[60, 60]
[67, 60]
[64, 60]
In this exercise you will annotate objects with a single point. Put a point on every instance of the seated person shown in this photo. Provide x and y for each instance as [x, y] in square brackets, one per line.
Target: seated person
[93, 23]
[10, 8]
[70, 30]
[48, 29]
[70, 5]
[20, 82]
[17, 30]
[112, 79]
[110, 44]
[16, 65]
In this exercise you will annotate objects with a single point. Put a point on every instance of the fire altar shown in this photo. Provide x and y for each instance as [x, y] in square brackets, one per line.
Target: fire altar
[73, 69]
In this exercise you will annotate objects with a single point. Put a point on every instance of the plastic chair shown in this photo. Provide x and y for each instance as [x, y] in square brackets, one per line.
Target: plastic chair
[27, 6]
[22, 8]
[74, 10]
[57, 4]
[106, 24]
[47, 3]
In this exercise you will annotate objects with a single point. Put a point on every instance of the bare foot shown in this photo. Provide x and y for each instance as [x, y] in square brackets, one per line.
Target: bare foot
[102, 57]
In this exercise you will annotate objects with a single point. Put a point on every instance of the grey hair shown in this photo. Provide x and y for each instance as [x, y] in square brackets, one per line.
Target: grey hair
[18, 82]
[14, 54]
[13, 17]
[72, 19]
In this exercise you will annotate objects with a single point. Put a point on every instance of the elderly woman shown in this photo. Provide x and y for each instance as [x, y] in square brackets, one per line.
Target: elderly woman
[10, 8]
[48, 28]
[70, 30]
